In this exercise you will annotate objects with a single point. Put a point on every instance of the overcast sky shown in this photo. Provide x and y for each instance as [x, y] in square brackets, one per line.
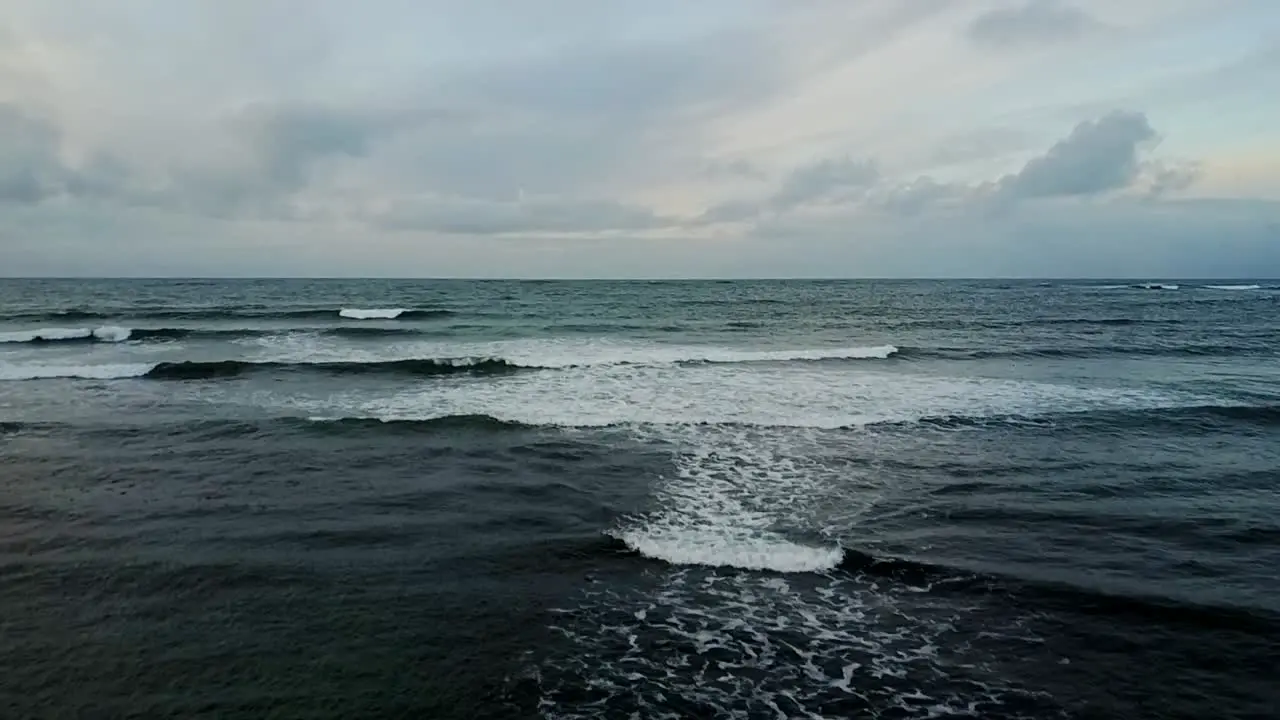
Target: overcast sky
[610, 138]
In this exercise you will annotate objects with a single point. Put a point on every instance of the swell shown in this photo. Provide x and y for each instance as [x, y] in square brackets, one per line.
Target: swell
[413, 368]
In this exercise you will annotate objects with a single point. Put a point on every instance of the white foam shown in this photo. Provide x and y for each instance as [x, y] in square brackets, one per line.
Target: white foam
[816, 396]
[112, 334]
[50, 334]
[1233, 287]
[104, 334]
[371, 314]
[733, 488]
[88, 372]
[716, 547]
[744, 645]
[565, 353]
[1156, 286]
[547, 353]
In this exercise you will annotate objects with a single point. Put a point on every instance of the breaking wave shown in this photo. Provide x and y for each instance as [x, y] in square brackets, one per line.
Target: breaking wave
[423, 367]
[1099, 351]
[83, 372]
[46, 335]
[231, 313]
[372, 314]
[1233, 287]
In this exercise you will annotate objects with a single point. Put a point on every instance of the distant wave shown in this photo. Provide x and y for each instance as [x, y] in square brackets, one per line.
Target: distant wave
[1084, 352]
[473, 422]
[85, 372]
[341, 331]
[1155, 286]
[725, 355]
[232, 313]
[424, 367]
[46, 335]
[372, 314]
[1233, 287]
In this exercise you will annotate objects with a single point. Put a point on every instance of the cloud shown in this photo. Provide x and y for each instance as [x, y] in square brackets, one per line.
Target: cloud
[471, 216]
[1032, 22]
[831, 179]
[1097, 157]
[33, 168]
[688, 138]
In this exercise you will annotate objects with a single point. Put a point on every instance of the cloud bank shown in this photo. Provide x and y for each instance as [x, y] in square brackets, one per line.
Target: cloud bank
[574, 139]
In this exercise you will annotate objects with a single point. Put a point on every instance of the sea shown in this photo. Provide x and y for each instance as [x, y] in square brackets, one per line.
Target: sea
[693, 499]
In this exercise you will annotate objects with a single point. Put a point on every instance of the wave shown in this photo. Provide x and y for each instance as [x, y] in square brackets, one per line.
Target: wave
[233, 313]
[714, 548]
[946, 577]
[1233, 287]
[469, 422]
[1201, 417]
[1154, 286]
[372, 314]
[1101, 351]
[47, 335]
[341, 331]
[161, 334]
[82, 372]
[420, 367]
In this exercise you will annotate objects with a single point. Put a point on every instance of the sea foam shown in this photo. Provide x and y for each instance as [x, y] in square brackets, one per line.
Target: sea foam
[102, 334]
[371, 313]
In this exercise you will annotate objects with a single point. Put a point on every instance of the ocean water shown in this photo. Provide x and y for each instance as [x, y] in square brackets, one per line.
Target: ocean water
[443, 499]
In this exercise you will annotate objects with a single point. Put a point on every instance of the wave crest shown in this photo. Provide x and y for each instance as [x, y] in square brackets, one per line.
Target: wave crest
[424, 367]
[714, 548]
[46, 335]
[371, 314]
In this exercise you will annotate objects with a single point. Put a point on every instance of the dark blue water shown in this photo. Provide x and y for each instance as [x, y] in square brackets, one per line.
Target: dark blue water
[653, 500]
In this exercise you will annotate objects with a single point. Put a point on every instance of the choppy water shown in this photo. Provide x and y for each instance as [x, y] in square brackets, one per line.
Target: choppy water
[668, 500]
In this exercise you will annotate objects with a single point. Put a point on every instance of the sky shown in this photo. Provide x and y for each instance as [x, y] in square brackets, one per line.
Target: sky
[666, 138]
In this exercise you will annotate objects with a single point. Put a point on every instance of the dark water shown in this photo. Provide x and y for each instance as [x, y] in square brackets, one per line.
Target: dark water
[652, 500]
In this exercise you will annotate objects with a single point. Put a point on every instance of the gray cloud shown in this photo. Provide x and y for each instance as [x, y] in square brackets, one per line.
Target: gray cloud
[826, 180]
[1030, 23]
[287, 140]
[1167, 178]
[33, 169]
[469, 216]
[832, 180]
[1097, 157]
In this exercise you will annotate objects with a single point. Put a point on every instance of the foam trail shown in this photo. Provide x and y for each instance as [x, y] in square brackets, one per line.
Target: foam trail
[1233, 287]
[86, 372]
[372, 313]
[730, 491]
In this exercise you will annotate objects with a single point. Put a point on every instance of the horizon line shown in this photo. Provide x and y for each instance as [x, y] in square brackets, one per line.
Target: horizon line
[707, 278]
